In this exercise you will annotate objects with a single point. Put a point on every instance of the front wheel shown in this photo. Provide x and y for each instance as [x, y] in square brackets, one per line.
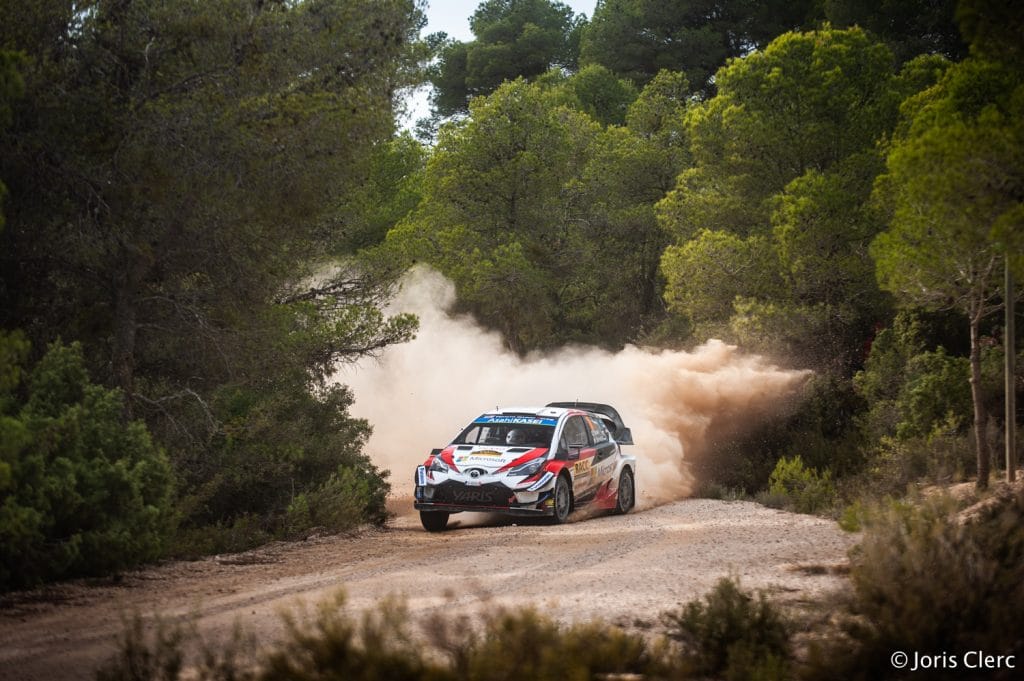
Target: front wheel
[434, 521]
[563, 500]
[626, 496]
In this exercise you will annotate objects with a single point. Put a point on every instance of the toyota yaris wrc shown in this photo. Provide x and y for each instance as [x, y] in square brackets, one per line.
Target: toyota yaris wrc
[533, 461]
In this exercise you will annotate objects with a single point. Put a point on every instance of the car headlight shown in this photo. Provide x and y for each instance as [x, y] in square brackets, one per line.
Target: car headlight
[528, 468]
[439, 466]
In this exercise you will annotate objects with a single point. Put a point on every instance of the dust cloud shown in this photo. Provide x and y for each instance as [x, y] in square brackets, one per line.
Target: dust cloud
[421, 394]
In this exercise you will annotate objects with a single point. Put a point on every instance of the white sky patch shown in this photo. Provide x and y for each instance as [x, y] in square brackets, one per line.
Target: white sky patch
[452, 17]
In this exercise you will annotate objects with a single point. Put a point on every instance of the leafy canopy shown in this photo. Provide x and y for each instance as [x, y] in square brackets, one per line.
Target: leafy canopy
[513, 38]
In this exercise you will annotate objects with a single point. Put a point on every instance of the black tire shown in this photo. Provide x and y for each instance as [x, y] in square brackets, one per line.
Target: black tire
[563, 500]
[434, 521]
[625, 498]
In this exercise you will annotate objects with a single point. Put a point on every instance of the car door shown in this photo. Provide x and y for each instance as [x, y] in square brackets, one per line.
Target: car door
[605, 450]
[580, 454]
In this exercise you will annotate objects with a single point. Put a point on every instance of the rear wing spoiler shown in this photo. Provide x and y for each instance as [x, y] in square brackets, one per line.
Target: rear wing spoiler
[608, 414]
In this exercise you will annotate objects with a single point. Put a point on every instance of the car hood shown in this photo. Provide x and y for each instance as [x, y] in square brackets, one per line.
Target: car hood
[491, 458]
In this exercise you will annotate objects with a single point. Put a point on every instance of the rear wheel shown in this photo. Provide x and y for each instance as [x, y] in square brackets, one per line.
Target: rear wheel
[563, 500]
[626, 496]
[434, 521]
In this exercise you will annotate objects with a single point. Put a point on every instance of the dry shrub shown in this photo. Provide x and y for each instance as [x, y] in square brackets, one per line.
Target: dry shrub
[731, 634]
[927, 579]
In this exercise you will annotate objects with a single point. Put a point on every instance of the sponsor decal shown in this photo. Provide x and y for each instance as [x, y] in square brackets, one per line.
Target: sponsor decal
[605, 468]
[479, 459]
[581, 467]
[462, 496]
[520, 420]
[485, 452]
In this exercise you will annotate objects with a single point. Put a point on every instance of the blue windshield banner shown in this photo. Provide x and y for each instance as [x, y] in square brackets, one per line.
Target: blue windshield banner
[518, 420]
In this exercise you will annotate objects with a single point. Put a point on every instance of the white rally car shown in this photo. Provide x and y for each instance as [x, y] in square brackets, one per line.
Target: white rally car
[532, 461]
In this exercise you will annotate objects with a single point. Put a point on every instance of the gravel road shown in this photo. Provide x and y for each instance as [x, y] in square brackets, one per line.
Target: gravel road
[624, 569]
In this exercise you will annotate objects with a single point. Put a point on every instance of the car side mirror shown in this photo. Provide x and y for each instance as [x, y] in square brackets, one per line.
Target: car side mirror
[574, 453]
[624, 436]
[435, 452]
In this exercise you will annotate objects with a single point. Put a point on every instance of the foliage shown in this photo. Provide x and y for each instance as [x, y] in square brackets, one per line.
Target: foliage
[346, 498]
[160, 657]
[732, 635]
[388, 192]
[952, 189]
[824, 428]
[935, 392]
[285, 460]
[543, 219]
[333, 643]
[909, 27]
[803, 489]
[771, 223]
[83, 492]
[992, 28]
[951, 185]
[595, 91]
[513, 39]
[806, 102]
[706, 274]
[12, 86]
[218, 153]
[636, 38]
[928, 579]
[209, 170]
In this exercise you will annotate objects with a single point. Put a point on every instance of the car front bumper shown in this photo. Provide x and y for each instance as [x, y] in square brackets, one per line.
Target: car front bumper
[454, 497]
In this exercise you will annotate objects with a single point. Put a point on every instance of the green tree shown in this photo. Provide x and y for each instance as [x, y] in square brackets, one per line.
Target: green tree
[390, 188]
[784, 160]
[806, 102]
[638, 38]
[494, 216]
[187, 181]
[993, 28]
[708, 273]
[81, 492]
[908, 27]
[187, 139]
[513, 38]
[544, 219]
[954, 190]
[595, 91]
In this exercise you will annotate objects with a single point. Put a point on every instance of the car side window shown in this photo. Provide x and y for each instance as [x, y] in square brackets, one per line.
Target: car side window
[576, 432]
[598, 433]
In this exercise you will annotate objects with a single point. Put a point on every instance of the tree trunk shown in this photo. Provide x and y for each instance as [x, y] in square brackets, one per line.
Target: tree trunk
[980, 417]
[1010, 374]
[125, 329]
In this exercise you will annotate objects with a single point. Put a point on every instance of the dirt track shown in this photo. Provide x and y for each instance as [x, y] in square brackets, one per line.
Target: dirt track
[623, 569]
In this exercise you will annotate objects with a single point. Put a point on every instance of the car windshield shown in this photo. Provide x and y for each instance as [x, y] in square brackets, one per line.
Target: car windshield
[523, 431]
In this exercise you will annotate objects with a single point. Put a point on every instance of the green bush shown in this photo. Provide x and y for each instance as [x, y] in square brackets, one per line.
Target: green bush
[346, 499]
[286, 459]
[936, 391]
[895, 465]
[82, 491]
[733, 635]
[804, 489]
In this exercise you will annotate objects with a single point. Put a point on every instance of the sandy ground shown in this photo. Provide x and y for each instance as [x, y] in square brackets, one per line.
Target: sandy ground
[624, 569]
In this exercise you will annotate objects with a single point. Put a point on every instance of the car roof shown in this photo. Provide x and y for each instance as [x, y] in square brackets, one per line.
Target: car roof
[542, 412]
